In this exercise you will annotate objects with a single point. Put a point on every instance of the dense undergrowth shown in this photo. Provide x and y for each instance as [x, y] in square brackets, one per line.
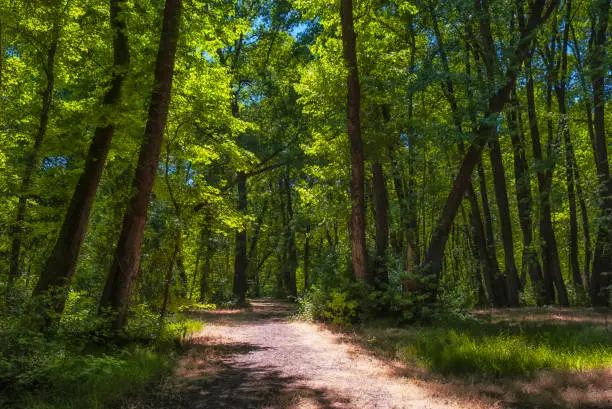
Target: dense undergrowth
[81, 365]
[449, 340]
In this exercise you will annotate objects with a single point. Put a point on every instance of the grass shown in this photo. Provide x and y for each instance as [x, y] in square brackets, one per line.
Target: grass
[75, 370]
[99, 381]
[486, 349]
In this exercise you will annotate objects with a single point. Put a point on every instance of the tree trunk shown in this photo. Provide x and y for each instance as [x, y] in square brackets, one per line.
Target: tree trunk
[124, 270]
[358, 222]
[61, 264]
[531, 264]
[547, 235]
[382, 223]
[307, 258]
[499, 282]
[241, 257]
[32, 159]
[501, 196]
[601, 278]
[433, 260]
[570, 161]
[291, 247]
[167, 284]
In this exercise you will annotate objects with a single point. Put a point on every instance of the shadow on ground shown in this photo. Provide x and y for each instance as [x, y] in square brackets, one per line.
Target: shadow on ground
[210, 378]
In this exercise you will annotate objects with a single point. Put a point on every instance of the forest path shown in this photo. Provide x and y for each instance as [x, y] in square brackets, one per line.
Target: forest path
[259, 358]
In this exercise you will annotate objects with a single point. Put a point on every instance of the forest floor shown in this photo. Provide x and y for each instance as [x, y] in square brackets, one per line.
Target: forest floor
[260, 358]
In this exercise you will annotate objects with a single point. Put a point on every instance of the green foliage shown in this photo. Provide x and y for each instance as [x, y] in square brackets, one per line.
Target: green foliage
[460, 346]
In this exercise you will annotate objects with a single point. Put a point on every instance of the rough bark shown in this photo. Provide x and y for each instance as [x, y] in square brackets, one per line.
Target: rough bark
[358, 220]
[61, 264]
[124, 271]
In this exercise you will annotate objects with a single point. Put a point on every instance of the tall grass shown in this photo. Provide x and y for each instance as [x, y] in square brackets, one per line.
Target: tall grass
[495, 350]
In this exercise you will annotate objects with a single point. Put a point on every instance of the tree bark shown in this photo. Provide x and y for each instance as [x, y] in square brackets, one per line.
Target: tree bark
[241, 260]
[547, 239]
[381, 202]
[601, 278]
[570, 161]
[501, 196]
[433, 260]
[531, 263]
[358, 222]
[61, 264]
[124, 271]
[291, 247]
[33, 158]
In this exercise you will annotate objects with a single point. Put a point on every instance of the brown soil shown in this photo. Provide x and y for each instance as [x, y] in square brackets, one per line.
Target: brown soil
[260, 358]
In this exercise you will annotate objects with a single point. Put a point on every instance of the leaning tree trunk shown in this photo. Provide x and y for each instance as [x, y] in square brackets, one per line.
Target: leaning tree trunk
[433, 260]
[601, 276]
[358, 222]
[61, 264]
[124, 271]
[32, 159]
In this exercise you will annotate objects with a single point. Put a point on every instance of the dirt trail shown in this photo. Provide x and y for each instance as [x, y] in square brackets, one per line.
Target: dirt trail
[261, 359]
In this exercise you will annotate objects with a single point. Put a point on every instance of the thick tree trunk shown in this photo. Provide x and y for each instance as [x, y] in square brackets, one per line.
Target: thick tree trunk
[358, 221]
[61, 264]
[241, 261]
[382, 223]
[124, 271]
[601, 279]
[32, 159]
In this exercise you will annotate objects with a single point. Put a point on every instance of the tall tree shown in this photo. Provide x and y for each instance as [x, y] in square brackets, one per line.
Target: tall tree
[33, 157]
[358, 222]
[601, 279]
[123, 274]
[61, 264]
[496, 102]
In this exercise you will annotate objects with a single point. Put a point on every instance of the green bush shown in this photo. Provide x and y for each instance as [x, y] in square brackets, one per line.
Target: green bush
[78, 366]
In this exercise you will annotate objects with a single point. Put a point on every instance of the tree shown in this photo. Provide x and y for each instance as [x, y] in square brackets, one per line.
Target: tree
[61, 264]
[358, 222]
[123, 274]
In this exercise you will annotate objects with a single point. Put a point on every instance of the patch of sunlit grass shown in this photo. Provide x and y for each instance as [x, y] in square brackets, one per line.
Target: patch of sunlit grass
[495, 350]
